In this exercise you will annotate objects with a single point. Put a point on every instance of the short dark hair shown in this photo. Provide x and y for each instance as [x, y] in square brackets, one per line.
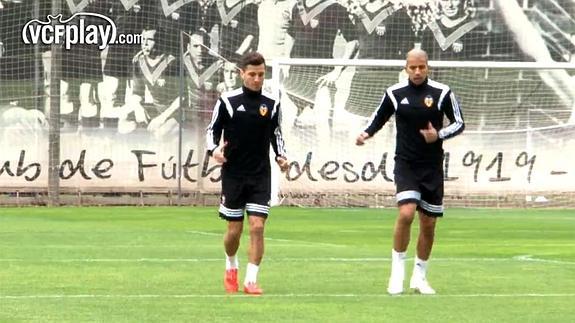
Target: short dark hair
[251, 58]
[159, 37]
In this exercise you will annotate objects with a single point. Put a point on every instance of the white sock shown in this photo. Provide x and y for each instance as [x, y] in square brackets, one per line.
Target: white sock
[231, 262]
[398, 264]
[420, 267]
[251, 273]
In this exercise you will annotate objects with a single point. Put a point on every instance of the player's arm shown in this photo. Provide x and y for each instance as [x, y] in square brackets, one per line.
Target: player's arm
[330, 78]
[349, 33]
[245, 45]
[452, 111]
[135, 100]
[277, 141]
[378, 119]
[289, 40]
[250, 28]
[214, 131]
[158, 121]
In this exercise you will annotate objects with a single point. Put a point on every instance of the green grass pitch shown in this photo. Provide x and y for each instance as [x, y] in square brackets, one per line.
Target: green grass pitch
[321, 265]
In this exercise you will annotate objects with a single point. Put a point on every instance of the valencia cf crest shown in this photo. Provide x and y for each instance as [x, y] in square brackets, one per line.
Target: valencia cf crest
[428, 101]
[457, 47]
[263, 110]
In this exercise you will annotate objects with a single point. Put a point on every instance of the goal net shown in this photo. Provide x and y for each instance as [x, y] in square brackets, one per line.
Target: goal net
[516, 149]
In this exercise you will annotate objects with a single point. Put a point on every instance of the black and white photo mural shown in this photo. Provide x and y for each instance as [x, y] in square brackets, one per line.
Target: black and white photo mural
[130, 102]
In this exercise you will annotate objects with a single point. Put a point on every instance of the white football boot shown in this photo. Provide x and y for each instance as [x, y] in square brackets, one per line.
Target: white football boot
[420, 285]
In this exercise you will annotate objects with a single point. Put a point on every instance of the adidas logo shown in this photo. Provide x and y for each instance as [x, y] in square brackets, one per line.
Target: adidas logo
[241, 108]
[404, 101]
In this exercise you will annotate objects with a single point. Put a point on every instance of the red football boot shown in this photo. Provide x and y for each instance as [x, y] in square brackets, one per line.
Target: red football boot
[253, 289]
[231, 281]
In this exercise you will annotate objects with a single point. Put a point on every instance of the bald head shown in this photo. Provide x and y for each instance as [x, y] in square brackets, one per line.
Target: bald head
[416, 52]
[416, 65]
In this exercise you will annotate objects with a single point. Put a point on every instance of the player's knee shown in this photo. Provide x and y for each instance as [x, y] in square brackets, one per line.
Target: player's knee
[235, 229]
[406, 213]
[405, 219]
[256, 228]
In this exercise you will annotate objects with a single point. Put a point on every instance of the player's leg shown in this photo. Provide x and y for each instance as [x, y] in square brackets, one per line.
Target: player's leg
[89, 104]
[257, 209]
[401, 235]
[255, 254]
[407, 198]
[418, 280]
[256, 250]
[232, 243]
[430, 208]
[426, 235]
[402, 229]
[110, 96]
[231, 210]
[70, 103]
[231, 246]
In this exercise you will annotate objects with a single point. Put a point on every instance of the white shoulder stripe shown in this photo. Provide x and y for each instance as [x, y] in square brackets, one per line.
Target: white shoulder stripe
[444, 90]
[437, 85]
[394, 87]
[274, 97]
[374, 113]
[226, 98]
[228, 106]
[232, 93]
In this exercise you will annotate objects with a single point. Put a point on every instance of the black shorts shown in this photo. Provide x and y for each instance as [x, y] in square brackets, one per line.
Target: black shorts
[420, 183]
[251, 194]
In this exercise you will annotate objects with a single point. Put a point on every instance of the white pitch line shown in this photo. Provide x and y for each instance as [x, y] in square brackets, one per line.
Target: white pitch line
[308, 242]
[135, 260]
[180, 296]
[203, 233]
[521, 258]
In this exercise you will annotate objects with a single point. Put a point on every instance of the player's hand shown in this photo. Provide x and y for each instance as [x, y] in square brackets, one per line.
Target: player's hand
[284, 71]
[141, 114]
[360, 140]
[430, 134]
[356, 10]
[282, 163]
[329, 79]
[218, 153]
[156, 123]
